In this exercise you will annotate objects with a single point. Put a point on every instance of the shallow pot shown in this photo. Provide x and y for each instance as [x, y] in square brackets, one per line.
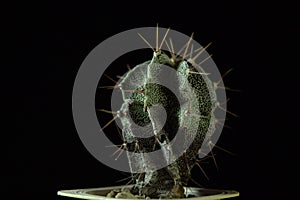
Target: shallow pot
[192, 193]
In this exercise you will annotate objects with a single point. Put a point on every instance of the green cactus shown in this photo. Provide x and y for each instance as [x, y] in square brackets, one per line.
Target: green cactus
[168, 112]
[139, 108]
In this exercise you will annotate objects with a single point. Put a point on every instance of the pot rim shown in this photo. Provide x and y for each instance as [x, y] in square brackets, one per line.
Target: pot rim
[93, 193]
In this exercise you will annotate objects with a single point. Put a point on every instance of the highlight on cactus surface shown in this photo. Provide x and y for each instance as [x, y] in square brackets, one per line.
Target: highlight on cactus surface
[166, 118]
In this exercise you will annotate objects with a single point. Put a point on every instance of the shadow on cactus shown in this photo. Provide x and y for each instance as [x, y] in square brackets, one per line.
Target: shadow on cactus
[168, 110]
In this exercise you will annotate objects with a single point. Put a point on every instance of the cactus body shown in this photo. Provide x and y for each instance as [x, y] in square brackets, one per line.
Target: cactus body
[142, 108]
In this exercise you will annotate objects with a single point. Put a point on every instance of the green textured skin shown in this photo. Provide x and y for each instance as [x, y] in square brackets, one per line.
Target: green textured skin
[167, 182]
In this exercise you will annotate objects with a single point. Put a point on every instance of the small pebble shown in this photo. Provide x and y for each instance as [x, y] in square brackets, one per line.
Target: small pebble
[125, 195]
[111, 194]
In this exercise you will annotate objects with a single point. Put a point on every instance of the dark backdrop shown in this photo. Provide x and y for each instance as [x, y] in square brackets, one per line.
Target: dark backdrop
[46, 45]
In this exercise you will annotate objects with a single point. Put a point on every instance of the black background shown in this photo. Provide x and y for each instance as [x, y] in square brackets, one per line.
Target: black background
[45, 46]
